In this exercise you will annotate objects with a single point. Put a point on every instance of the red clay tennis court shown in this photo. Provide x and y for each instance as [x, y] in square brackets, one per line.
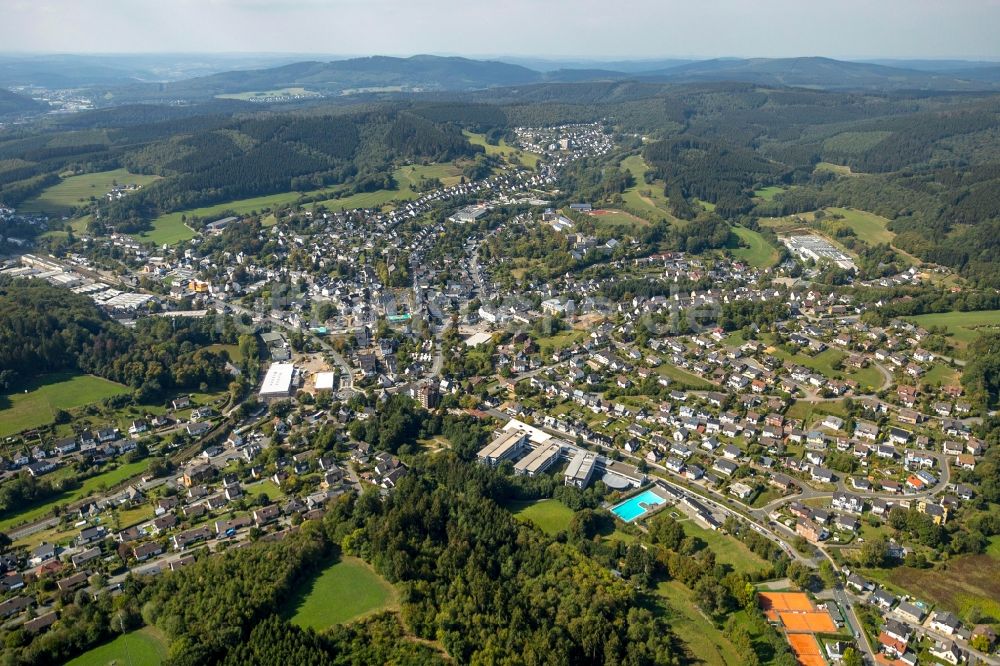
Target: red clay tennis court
[806, 649]
[785, 601]
[812, 622]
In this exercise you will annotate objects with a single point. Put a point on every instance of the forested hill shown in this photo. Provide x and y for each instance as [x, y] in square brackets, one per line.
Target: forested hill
[11, 104]
[207, 159]
[50, 329]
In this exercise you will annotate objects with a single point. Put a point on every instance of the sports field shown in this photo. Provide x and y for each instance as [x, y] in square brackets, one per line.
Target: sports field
[806, 649]
[344, 592]
[74, 191]
[143, 647]
[35, 405]
[549, 515]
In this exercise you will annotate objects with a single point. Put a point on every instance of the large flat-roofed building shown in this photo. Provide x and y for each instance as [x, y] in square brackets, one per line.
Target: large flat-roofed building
[539, 460]
[324, 381]
[278, 381]
[506, 446]
[580, 469]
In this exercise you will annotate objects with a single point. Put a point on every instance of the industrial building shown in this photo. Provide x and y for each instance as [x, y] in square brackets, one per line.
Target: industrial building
[278, 381]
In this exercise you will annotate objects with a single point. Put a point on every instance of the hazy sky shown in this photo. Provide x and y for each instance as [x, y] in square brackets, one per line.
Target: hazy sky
[589, 28]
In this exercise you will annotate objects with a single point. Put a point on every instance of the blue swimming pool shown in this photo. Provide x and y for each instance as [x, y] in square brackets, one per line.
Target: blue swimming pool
[637, 506]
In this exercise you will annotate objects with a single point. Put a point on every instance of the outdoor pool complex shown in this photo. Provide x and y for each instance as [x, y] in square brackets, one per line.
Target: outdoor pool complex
[637, 506]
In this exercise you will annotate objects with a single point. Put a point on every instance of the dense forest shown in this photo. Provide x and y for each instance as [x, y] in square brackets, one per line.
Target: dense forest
[50, 329]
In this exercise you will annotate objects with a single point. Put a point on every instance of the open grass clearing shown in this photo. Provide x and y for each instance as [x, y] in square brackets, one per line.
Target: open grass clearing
[617, 220]
[526, 158]
[35, 404]
[768, 193]
[684, 378]
[758, 252]
[75, 191]
[964, 327]
[343, 592]
[703, 641]
[869, 227]
[142, 647]
[728, 551]
[233, 350]
[959, 585]
[549, 515]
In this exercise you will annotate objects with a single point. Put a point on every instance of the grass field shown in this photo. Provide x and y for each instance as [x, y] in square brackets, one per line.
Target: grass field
[869, 227]
[449, 174]
[833, 168]
[808, 412]
[74, 191]
[233, 350]
[549, 515]
[728, 551]
[768, 193]
[143, 647]
[617, 220]
[963, 326]
[959, 585]
[280, 92]
[683, 377]
[106, 480]
[35, 404]
[759, 254]
[169, 229]
[344, 592]
[704, 642]
[647, 199]
[526, 158]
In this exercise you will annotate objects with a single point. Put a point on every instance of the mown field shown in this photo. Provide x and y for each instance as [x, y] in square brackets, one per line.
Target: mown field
[758, 253]
[35, 405]
[74, 191]
[684, 378]
[549, 515]
[647, 199]
[342, 593]
[768, 193]
[964, 327]
[869, 227]
[143, 647]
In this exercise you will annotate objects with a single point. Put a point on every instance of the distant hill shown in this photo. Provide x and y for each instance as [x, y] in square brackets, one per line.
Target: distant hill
[824, 73]
[12, 104]
[417, 73]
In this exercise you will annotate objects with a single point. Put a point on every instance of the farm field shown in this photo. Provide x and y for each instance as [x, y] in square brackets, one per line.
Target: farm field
[105, 480]
[727, 550]
[964, 327]
[528, 159]
[280, 92]
[63, 197]
[143, 647]
[37, 403]
[704, 642]
[760, 253]
[549, 515]
[342, 593]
